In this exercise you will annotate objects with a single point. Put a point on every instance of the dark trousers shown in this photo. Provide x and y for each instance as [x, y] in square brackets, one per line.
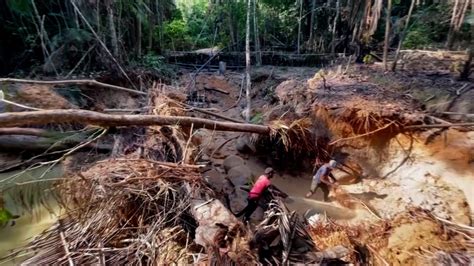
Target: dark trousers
[325, 188]
[249, 209]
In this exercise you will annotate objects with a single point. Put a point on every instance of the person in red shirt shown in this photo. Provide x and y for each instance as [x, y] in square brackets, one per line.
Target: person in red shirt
[263, 182]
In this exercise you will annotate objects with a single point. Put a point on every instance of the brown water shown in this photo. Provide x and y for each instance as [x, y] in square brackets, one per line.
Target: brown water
[31, 223]
[297, 187]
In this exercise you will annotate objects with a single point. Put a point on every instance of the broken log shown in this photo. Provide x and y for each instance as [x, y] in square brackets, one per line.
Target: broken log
[88, 82]
[16, 119]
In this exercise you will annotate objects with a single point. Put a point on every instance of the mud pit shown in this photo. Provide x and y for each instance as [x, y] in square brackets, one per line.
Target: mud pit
[394, 172]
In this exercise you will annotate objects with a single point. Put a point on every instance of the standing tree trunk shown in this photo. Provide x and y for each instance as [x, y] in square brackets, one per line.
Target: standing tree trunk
[247, 62]
[258, 54]
[387, 34]
[113, 34]
[151, 27]
[457, 18]
[139, 36]
[311, 23]
[402, 36]
[300, 19]
[333, 42]
[450, 39]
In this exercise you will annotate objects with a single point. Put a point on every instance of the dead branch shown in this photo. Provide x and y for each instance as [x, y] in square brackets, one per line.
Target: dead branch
[102, 43]
[200, 110]
[14, 119]
[363, 135]
[439, 126]
[20, 105]
[88, 82]
[457, 113]
[217, 90]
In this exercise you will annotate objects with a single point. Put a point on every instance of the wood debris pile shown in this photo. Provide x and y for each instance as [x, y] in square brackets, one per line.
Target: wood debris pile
[412, 238]
[136, 212]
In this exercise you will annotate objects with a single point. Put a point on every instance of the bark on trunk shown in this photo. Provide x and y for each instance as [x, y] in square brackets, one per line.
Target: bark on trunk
[139, 37]
[247, 63]
[311, 30]
[333, 43]
[299, 27]
[402, 36]
[18, 119]
[113, 33]
[457, 18]
[387, 34]
[258, 55]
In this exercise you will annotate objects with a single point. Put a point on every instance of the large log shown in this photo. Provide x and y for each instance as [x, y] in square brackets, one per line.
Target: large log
[16, 119]
[36, 143]
[88, 82]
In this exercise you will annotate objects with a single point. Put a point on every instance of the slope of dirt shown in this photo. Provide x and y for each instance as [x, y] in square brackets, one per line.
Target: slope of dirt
[37, 96]
[432, 170]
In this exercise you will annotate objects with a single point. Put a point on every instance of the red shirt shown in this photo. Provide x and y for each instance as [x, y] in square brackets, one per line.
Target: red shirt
[262, 183]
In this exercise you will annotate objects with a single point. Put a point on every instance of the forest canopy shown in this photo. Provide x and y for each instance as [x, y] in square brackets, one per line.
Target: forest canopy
[58, 36]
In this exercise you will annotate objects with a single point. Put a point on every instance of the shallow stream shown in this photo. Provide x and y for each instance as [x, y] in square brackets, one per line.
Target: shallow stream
[32, 221]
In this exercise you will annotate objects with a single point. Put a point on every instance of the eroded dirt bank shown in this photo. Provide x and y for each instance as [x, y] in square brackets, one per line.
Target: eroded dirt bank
[386, 171]
[404, 196]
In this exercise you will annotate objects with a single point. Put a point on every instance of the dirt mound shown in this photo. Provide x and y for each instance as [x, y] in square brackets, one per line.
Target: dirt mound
[432, 60]
[39, 96]
[410, 238]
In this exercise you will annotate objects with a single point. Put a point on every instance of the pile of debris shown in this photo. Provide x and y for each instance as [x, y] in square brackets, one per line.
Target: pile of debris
[139, 211]
[414, 237]
[126, 211]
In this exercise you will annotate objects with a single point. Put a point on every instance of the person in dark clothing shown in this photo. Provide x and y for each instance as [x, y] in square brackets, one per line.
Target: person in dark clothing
[262, 184]
[323, 179]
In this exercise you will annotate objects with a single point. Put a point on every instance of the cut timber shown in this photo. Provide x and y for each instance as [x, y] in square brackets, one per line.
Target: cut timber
[15, 119]
[89, 82]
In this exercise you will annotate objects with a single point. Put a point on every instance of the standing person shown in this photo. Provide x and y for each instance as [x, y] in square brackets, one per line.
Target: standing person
[323, 179]
[262, 184]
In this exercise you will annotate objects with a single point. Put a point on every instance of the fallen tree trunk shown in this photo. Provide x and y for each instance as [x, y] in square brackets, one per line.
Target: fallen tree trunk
[25, 131]
[15, 119]
[89, 82]
[38, 143]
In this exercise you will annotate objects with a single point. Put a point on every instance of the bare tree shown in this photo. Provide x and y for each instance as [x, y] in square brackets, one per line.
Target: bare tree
[247, 62]
[387, 34]
[113, 33]
[300, 19]
[457, 18]
[403, 34]
[333, 42]
[258, 54]
[139, 36]
[311, 23]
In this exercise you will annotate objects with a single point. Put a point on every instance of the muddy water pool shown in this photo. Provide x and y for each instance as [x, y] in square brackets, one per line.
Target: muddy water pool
[31, 222]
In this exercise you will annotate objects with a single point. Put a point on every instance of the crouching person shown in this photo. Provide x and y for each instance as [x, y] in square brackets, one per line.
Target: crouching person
[323, 179]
